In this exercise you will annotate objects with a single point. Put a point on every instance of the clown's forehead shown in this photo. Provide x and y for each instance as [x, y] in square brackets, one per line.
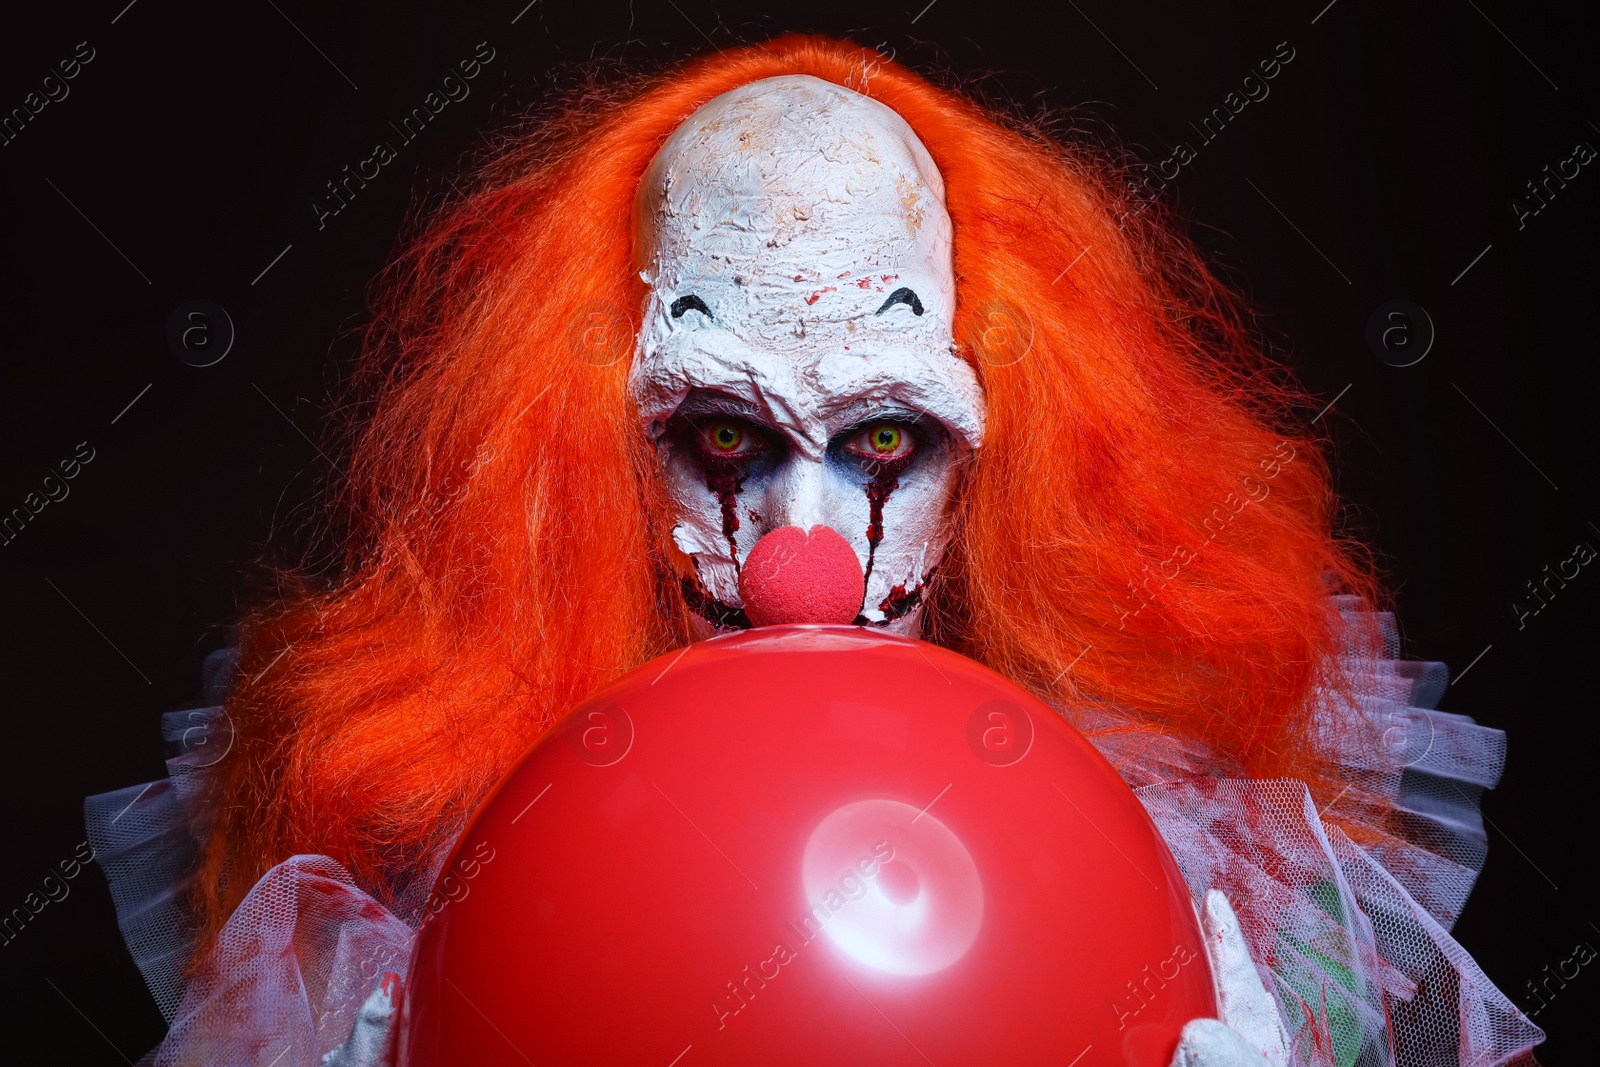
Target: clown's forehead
[796, 184]
[798, 254]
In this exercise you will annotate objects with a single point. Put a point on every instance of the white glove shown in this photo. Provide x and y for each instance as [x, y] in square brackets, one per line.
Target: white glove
[371, 1042]
[1249, 1032]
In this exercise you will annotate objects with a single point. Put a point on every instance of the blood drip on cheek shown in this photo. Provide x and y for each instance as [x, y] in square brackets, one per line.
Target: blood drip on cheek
[726, 485]
[878, 490]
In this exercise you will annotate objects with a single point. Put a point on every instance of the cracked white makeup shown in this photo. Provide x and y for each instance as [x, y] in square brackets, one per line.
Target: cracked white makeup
[796, 363]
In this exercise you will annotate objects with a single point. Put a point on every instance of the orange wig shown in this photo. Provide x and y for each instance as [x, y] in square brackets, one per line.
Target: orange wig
[1137, 534]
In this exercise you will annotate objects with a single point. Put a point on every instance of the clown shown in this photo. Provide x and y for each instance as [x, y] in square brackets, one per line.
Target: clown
[793, 285]
[797, 365]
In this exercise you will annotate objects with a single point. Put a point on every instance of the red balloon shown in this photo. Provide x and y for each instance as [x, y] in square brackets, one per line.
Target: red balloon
[808, 845]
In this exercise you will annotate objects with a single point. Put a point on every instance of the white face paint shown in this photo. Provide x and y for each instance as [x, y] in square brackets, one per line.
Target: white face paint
[796, 364]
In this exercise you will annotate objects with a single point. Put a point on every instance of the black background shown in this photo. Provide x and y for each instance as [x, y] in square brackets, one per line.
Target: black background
[188, 153]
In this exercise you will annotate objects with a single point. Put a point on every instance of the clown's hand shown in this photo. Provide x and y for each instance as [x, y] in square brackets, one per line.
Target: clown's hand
[1248, 1032]
[371, 1042]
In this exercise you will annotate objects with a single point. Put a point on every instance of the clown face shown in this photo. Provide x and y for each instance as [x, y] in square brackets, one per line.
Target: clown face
[796, 363]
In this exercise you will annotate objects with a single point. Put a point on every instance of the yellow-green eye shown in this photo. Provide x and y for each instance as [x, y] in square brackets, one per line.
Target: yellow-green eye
[725, 436]
[885, 439]
[883, 442]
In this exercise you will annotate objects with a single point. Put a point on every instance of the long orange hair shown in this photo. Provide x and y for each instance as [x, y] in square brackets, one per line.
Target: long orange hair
[1138, 532]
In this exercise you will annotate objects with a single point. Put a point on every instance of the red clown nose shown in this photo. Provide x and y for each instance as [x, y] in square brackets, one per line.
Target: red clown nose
[796, 577]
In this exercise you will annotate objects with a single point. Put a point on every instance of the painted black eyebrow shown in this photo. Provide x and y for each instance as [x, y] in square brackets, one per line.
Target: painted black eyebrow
[901, 296]
[694, 303]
